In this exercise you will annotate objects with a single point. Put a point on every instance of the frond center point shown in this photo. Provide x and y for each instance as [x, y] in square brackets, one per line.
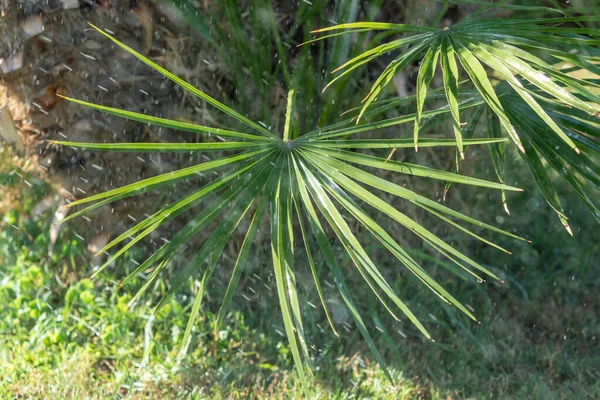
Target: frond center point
[288, 144]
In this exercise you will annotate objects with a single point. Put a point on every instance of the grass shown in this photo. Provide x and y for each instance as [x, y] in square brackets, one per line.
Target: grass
[64, 336]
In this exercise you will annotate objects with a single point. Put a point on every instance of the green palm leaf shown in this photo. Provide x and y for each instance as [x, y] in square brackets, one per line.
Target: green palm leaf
[272, 175]
[522, 54]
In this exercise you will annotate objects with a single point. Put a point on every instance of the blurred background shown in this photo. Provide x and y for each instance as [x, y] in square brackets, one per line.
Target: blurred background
[65, 336]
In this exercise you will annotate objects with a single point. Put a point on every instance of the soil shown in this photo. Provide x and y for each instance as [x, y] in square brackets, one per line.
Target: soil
[48, 48]
[64, 56]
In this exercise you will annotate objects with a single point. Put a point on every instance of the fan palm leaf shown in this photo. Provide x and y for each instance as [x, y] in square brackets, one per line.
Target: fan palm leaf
[306, 187]
[525, 106]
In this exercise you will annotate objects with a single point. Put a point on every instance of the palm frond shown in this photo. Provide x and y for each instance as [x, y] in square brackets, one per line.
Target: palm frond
[291, 181]
[521, 54]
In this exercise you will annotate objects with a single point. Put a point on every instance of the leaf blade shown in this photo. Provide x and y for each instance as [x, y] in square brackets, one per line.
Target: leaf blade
[185, 85]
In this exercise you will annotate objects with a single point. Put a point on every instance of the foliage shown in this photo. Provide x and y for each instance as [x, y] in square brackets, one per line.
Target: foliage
[290, 177]
[256, 48]
[547, 111]
[306, 182]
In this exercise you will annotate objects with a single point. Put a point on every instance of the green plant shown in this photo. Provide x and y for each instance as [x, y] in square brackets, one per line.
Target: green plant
[307, 182]
[546, 110]
[255, 44]
[299, 180]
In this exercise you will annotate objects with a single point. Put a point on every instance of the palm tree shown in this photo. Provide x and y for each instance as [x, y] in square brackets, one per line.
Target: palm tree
[310, 183]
